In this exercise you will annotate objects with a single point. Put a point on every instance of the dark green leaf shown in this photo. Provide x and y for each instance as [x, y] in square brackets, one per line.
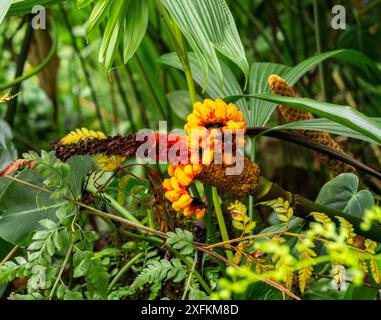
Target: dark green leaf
[341, 193]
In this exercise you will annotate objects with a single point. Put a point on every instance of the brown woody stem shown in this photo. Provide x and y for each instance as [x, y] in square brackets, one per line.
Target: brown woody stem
[267, 190]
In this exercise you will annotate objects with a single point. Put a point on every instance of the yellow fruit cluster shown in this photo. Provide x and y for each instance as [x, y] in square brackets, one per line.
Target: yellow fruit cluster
[207, 123]
[176, 189]
[215, 113]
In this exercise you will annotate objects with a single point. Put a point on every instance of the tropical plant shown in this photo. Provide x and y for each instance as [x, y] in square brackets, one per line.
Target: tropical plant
[83, 217]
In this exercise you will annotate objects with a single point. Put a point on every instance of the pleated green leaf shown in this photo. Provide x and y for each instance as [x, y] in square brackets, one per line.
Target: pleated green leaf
[208, 26]
[4, 7]
[126, 24]
[344, 115]
[260, 111]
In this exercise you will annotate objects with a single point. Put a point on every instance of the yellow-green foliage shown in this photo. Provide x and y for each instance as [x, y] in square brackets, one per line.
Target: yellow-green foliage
[347, 229]
[110, 163]
[370, 216]
[241, 220]
[282, 207]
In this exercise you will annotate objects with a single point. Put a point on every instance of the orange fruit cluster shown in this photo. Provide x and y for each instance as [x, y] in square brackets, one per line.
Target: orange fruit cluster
[176, 189]
[205, 117]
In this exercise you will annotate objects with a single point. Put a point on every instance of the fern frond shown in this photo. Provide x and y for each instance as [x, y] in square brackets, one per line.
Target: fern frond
[370, 246]
[375, 271]
[305, 274]
[158, 271]
[363, 267]
[249, 261]
[347, 228]
[321, 217]
[285, 212]
[181, 240]
[237, 258]
[289, 280]
[80, 135]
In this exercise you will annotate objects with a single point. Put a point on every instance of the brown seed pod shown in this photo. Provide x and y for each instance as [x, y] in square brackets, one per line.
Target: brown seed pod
[281, 88]
[117, 145]
[242, 184]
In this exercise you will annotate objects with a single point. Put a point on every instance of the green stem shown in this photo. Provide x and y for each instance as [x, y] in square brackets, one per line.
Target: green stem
[86, 71]
[11, 110]
[9, 255]
[159, 242]
[115, 205]
[147, 81]
[68, 253]
[187, 286]
[34, 70]
[369, 7]
[221, 221]
[319, 47]
[124, 270]
[251, 199]
[180, 47]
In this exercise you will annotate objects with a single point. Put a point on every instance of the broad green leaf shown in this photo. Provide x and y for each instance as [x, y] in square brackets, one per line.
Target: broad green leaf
[22, 207]
[292, 226]
[4, 7]
[230, 85]
[3, 288]
[260, 291]
[136, 26]
[342, 194]
[180, 103]
[208, 26]
[5, 247]
[354, 292]
[322, 124]
[80, 166]
[8, 152]
[343, 115]
[260, 111]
